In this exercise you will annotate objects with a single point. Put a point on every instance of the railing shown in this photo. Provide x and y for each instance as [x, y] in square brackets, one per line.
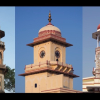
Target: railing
[49, 63]
[59, 66]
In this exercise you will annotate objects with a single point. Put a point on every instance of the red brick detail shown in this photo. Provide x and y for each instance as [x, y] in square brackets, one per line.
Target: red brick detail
[88, 83]
[49, 32]
[96, 78]
[49, 36]
[98, 26]
[97, 49]
[50, 24]
[59, 41]
[96, 83]
[97, 69]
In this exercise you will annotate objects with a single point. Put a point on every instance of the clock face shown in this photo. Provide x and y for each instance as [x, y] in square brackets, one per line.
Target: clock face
[57, 54]
[42, 53]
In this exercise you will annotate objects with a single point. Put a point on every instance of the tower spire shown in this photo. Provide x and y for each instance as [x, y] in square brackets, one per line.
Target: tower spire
[49, 17]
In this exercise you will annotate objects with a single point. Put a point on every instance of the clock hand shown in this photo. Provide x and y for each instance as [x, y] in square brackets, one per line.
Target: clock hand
[42, 54]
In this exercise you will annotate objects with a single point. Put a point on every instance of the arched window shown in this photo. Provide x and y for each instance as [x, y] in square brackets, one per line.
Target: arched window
[35, 85]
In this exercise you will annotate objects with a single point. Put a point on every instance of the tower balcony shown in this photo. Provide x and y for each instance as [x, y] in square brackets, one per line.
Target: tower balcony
[49, 66]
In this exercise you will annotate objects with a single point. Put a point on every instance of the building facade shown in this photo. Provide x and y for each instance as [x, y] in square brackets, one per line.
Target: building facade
[3, 69]
[49, 73]
[92, 84]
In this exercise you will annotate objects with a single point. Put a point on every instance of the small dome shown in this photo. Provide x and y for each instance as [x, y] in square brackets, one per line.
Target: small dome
[98, 27]
[2, 33]
[49, 27]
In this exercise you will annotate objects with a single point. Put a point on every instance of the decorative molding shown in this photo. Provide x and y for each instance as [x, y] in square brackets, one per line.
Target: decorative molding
[97, 83]
[50, 63]
[96, 78]
[61, 89]
[88, 83]
[58, 41]
[45, 32]
[50, 36]
[89, 78]
[47, 70]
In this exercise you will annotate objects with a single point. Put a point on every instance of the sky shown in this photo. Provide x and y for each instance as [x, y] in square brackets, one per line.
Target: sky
[21, 26]
[28, 21]
[91, 19]
[7, 24]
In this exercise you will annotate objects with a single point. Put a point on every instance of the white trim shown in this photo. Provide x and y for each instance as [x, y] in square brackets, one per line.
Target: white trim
[88, 77]
[98, 29]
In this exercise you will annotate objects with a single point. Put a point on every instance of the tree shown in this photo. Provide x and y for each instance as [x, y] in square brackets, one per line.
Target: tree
[9, 79]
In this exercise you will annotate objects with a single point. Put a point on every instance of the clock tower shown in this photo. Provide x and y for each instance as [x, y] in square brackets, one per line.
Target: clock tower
[92, 84]
[96, 71]
[3, 69]
[49, 73]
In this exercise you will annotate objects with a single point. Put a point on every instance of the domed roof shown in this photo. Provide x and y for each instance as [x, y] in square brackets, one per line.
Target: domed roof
[49, 26]
[98, 26]
[49, 29]
[50, 33]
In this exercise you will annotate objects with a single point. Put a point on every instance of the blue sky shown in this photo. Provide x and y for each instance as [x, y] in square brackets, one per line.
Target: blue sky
[7, 24]
[76, 24]
[28, 21]
[91, 19]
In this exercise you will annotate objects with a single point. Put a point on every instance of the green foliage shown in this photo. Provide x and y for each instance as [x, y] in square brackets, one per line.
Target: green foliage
[9, 80]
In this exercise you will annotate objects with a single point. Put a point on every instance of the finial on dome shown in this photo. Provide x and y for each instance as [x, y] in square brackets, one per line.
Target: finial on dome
[49, 17]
